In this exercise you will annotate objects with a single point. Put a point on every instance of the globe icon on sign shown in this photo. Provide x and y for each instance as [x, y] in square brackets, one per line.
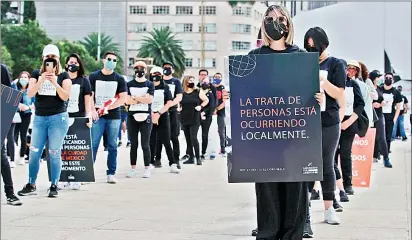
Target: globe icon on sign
[241, 66]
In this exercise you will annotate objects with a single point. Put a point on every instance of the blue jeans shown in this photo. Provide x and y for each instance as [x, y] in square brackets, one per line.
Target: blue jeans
[123, 119]
[399, 122]
[111, 126]
[52, 129]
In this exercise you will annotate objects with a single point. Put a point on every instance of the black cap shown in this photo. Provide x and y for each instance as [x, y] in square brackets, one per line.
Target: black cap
[374, 74]
[171, 64]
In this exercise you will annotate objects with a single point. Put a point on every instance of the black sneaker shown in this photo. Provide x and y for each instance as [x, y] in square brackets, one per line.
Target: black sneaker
[185, 158]
[189, 161]
[337, 206]
[307, 231]
[387, 163]
[343, 196]
[178, 166]
[53, 191]
[119, 144]
[105, 149]
[198, 161]
[13, 200]
[315, 195]
[128, 144]
[27, 190]
[202, 158]
[404, 139]
[254, 232]
[349, 190]
[157, 164]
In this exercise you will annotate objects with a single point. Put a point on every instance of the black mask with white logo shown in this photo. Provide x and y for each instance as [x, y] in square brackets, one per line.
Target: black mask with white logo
[274, 29]
[388, 81]
[73, 68]
[139, 73]
[167, 71]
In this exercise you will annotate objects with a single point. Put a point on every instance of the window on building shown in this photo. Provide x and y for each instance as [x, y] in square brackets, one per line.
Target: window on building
[186, 44]
[137, 27]
[137, 9]
[208, 28]
[241, 28]
[210, 45]
[184, 27]
[242, 10]
[160, 25]
[238, 45]
[207, 10]
[133, 45]
[184, 10]
[161, 10]
[131, 62]
[209, 62]
[188, 62]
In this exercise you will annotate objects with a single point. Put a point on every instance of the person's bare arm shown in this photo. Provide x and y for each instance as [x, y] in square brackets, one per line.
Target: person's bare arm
[120, 101]
[63, 92]
[147, 99]
[177, 99]
[34, 86]
[204, 99]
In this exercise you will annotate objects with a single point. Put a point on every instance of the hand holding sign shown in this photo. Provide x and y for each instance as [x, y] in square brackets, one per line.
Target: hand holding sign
[320, 97]
[198, 108]
[23, 107]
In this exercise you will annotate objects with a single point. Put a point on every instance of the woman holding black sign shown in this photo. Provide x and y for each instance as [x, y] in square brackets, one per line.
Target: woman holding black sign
[51, 86]
[281, 207]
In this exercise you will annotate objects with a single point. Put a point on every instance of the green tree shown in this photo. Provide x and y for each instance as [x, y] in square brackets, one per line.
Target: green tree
[25, 43]
[234, 3]
[5, 8]
[163, 46]
[29, 13]
[6, 58]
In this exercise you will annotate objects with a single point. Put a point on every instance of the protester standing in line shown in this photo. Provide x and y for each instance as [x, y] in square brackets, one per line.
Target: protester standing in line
[220, 111]
[140, 96]
[11, 198]
[400, 122]
[206, 121]
[11, 151]
[107, 86]
[52, 87]
[368, 91]
[123, 125]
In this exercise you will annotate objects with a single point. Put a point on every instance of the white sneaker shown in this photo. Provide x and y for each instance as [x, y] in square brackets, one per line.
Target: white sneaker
[12, 164]
[151, 166]
[75, 185]
[147, 173]
[21, 161]
[331, 217]
[111, 179]
[26, 160]
[174, 169]
[63, 186]
[131, 173]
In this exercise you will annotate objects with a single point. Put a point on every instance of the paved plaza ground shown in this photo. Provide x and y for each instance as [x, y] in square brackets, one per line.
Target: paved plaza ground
[197, 204]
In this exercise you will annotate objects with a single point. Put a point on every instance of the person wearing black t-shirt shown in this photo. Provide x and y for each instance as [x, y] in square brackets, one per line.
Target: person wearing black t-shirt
[12, 199]
[399, 124]
[51, 86]
[332, 77]
[220, 111]
[193, 102]
[209, 109]
[140, 96]
[391, 108]
[109, 93]
[162, 100]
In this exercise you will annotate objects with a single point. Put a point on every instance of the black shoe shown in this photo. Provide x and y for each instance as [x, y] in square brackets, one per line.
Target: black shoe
[315, 195]
[53, 191]
[387, 163]
[13, 200]
[343, 196]
[27, 190]
[307, 231]
[119, 144]
[337, 206]
[254, 232]
[105, 149]
[202, 158]
[178, 166]
[128, 144]
[185, 158]
[349, 190]
[198, 161]
[189, 161]
[157, 164]
[404, 139]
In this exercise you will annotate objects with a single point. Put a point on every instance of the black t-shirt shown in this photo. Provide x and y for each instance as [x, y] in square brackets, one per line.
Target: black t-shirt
[353, 95]
[336, 76]
[189, 115]
[175, 87]
[219, 92]
[106, 87]
[161, 96]
[135, 88]
[404, 101]
[391, 97]
[379, 100]
[80, 88]
[211, 106]
[268, 50]
[48, 101]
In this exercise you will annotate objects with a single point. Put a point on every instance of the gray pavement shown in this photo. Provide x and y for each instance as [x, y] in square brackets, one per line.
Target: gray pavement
[197, 204]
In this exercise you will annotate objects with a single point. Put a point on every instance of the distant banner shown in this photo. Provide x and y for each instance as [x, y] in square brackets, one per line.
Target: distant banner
[77, 155]
[275, 122]
[10, 99]
[362, 158]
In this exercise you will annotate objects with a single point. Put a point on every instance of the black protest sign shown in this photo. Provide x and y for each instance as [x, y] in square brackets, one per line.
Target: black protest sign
[10, 99]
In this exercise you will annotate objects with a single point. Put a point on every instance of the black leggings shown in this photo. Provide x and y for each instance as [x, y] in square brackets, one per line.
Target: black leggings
[345, 152]
[10, 142]
[205, 125]
[381, 146]
[281, 210]
[388, 130]
[191, 140]
[161, 133]
[174, 136]
[6, 172]
[133, 129]
[22, 131]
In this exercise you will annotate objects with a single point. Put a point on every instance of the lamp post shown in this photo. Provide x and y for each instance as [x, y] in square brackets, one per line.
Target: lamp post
[202, 35]
[99, 32]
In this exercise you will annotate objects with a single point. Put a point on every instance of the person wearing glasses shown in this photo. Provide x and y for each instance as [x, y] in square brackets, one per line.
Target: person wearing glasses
[107, 85]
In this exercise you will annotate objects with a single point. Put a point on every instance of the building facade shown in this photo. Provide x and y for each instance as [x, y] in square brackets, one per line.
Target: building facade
[227, 30]
[295, 7]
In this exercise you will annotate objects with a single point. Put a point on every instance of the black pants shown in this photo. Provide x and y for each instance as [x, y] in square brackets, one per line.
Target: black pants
[281, 210]
[345, 152]
[6, 172]
[133, 129]
[205, 125]
[174, 136]
[161, 133]
[10, 142]
[381, 146]
[105, 139]
[221, 127]
[22, 131]
[388, 130]
[190, 132]
[17, 131]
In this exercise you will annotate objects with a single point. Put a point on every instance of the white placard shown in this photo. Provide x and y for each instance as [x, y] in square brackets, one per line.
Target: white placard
[172, 88]
[105, 90]
[158, 100]
[139, 92]
[350, 99]
[47, 89]
[73, 105]
[388, 102]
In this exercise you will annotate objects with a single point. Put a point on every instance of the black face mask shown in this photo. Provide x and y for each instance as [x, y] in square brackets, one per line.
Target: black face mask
[139, 73]
[275, 30]
[167, 71]
[156, 78]
[388, 81]
[73, 68]
[312, 49]
[191, 85]
[205, 86]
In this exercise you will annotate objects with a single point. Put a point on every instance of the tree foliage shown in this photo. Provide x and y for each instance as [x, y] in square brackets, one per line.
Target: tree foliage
[163, 46]
[29, 13]
[5, 8]
[6, 58]
[235, 3]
